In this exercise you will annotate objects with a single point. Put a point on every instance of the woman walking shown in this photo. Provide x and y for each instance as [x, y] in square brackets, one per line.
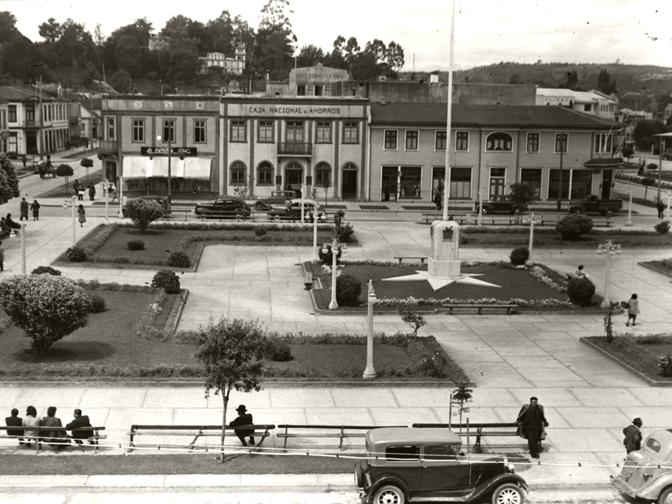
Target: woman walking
[35, 207]
[633, 309]
[82, 215]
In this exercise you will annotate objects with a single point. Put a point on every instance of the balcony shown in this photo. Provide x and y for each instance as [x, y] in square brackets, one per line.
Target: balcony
[295, 149]
[108, 147]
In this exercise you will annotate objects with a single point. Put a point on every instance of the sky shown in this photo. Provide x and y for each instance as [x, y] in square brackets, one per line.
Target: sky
[486, 31]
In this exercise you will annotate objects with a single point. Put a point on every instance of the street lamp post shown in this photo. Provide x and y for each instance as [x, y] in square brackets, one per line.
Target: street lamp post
[106, 187]
[333, 304]
[449, 107]
[316, 255]
[629, 221]
[668, 194]
[170, 148]
[71, 201]
[23, 248]
[369, 370]
[532, 219]
[607, 248]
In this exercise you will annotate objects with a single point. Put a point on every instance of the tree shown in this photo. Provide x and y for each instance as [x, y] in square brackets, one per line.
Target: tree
[64, 170]
[605, 84]
[309, 55]
[463, 393]
[572, 80]
[9, 183]
[644, 134]
[522, 194]
[229, 351]
[142, 212]
[46, 307]
[394, 56]
[647, 182]
[50, 30]
[410, 315]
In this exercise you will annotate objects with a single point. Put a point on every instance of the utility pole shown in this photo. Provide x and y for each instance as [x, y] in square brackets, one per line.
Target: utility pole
[449, 109]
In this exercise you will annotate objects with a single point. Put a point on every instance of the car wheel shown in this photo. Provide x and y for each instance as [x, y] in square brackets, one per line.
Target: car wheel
[389, 494]
[665, 496]
[509, 493]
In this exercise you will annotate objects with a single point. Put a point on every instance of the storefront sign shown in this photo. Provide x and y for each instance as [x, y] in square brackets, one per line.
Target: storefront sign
[163, 151]
[296, 110]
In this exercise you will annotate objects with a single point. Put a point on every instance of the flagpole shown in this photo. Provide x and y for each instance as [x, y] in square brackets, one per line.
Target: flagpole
[449, 103]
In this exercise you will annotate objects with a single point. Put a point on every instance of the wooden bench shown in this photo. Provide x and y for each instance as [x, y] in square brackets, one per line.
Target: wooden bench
[261, 431]
[509, 308]
[55, 440]
[422, 259]
[339, 432]
[479, 430]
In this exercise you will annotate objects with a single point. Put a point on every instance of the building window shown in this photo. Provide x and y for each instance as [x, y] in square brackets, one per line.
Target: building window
[581, 184]
[200, 131]
[440, 140]
[532, 177]
[138, 130]
[265, 174]
[533, 142]
[323, 132]
[265, 131]
[238, 131]
[350, 132]
[168, 130]
[560, 142]
[322, 175]
[412, 140]
[462, 141]
[602, 143]
[390, 140]
[460, 183]
[238, 175]
[30, 114]
[11, 113]
[294, 132]
[110, 129]
[409, 182]
[554, 184]
[499, 142]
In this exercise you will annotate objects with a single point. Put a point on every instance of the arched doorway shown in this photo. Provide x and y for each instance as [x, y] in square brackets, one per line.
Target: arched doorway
[349, 182]
[294, 177]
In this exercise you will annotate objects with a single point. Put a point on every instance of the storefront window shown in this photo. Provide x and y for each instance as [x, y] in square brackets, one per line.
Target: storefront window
[581, 184]
[532, 177]
[410, 182]
[554, 184]
[460, 183]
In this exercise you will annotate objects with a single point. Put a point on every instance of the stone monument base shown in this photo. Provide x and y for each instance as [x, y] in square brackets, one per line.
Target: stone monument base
[444, 268]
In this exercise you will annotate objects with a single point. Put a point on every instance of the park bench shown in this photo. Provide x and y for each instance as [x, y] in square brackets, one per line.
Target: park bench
[97, 436]
[422, 259]
[479, 308]
[479, 430]
[261, 432]
[337, 432]
[432, 216]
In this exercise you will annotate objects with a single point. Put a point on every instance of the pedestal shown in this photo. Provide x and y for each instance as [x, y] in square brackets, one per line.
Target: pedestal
[444, 268]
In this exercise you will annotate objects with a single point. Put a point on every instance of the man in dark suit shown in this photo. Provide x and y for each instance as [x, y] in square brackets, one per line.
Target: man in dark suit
[633, 436]
[244, 418]
[531, 422]
[14, 421]
[78, 422]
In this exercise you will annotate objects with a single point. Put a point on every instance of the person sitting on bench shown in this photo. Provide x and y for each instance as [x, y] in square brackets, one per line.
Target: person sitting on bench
[78, 422]
[244, 418]
[14, 421]
[11, 222]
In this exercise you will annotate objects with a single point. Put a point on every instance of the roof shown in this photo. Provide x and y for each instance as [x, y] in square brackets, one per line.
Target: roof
[576, 96]
[15, 93]
[504, 116]
[405, 435]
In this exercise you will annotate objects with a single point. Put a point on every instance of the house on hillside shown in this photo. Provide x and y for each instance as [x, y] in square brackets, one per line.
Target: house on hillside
[590, 102]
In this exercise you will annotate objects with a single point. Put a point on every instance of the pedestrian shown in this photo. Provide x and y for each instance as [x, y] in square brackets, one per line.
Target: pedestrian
[23, 160]
[23, 209]
[56, 435]
[438, 199]
[531, 423]
[14, 421]
[633, 436]
[30, 420]
[633, 309]
[579, 272]
[244, 419]
[79, 422]
[35, 207]
[92, 192]
[660, 206]
[2, 258]
[82, 215]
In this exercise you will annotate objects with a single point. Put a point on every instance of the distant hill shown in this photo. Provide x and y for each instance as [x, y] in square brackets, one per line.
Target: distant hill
[654, 79]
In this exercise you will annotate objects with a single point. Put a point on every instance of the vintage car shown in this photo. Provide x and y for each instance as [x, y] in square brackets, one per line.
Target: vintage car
[292, 211]
[500, 206]
[276, 198]
[225, 207]
[646, 473]
[408, 465]
[594, 205]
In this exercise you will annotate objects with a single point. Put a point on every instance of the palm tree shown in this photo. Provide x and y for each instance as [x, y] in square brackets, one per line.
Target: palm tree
[463, 393]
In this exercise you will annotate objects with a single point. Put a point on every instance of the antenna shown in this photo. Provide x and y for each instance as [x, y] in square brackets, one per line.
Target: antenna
[413, 67]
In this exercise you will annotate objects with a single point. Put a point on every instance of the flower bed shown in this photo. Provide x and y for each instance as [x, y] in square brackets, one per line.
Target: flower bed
[664, 266]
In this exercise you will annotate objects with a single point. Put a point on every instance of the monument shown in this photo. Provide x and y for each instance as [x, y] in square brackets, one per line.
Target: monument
[444, 265]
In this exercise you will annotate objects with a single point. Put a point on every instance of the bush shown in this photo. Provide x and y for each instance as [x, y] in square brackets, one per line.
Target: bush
[574, 225]
[345, 233]
[519, 256]
[259, 232]
[580, 291]
[652, 166]
[166, 280]
[45, 270]
[96, 303]
[86, 163]
[275, 349]
[665, 365]
[76, 254]
[135, 245]
[64, 170]
[663, 227]
[348, 289]
[179, 259]
[142, 212]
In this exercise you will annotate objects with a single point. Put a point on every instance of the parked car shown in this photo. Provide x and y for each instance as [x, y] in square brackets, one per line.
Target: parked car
[646, 473]
[225, 207]
[405, 465]
[500, 206]
[161, 200]
[276, 198]
[593, 204]
[292, 211]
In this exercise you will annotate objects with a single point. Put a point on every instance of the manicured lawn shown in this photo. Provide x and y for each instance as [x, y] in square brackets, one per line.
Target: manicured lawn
[663, 267]
[641, 352]
[170, 464]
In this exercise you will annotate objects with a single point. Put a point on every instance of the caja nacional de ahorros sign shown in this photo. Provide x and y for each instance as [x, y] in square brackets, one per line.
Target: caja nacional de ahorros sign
[295, 110]
[163, 151]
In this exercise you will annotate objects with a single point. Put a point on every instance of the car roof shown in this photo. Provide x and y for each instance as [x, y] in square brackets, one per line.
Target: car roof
[399, 435]
[229, 198]
[305, 200]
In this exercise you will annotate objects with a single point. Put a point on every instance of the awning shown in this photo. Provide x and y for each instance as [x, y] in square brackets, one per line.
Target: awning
[596, 163]
[188, 168]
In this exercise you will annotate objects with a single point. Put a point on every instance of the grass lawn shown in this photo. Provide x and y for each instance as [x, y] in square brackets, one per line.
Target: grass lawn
[170, 464]
[664, 267]
[641, 353]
